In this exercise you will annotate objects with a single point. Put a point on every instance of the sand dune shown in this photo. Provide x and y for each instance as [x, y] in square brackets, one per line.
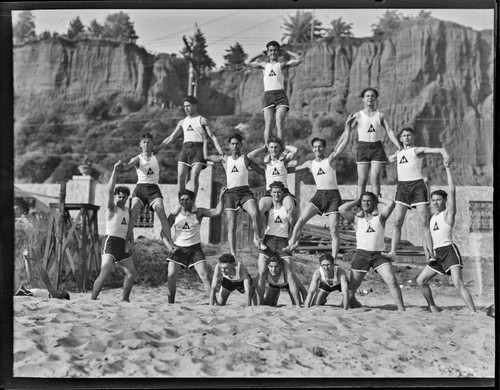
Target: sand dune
[149, 338]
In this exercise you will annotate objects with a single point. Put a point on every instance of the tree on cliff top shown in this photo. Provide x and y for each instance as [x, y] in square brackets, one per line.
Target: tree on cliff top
[339, 29]
[118, 26]
[76, 27]
[24, 30]
[95, 29]
[235, 56]
[195, 50]
[298, 28]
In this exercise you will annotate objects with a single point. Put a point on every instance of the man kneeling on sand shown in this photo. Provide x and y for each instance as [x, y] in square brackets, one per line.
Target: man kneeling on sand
[231, 275]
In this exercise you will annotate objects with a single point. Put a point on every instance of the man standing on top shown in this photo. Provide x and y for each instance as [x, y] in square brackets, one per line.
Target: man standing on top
[412, 190]
[327, 199]
[275, 102]
[195, 128]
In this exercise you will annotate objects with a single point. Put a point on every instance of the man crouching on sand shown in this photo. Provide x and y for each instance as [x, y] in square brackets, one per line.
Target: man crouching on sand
[116, 246]
[370, 228]
[186, 220]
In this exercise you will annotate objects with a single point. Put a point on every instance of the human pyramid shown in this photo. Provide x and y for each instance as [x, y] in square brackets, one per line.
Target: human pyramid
[276, 222]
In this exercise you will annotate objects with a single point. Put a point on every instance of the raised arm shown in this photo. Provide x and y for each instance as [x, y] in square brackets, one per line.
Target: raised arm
[210, 133]
[177, 131]
[295, 60]
[346, 209]
[451, 208]
[255, 62]
[111, 187]
[312, 289]
[254, 153]
[387, 210]
[306, 165]
[390, 132]
[210, 213]
[292, 152]
[133, 163]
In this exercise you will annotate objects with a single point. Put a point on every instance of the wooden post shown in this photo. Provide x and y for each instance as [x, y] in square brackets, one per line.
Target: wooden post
[60, 235]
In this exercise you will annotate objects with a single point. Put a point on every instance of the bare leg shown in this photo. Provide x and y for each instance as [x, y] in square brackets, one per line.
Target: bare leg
[222, 296]
[376, 175]
[251, 208]
[232, 217]
[289, 204]
[107, 265]
[423, 282]
[288, 270]
[387, 273]
[355, 280]
[130, 274]
[261, 281]
[173, 273]
[399, 218]
[182, 172]
[333, 220]
[321, 298]
[195, 175]
[280, 122]
[202, 270]
[423, 215]
[456, 276]
[363, 170]
[265, 203]
[309, 211]
[165, 226]
[268, 118]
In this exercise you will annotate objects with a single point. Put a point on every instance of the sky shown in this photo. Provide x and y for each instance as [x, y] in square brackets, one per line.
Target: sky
[161, 31]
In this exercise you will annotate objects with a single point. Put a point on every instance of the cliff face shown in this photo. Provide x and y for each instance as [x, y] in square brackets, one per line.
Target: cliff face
[436, 77]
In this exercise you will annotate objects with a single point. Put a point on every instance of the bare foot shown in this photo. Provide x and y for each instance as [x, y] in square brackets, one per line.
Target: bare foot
[434, 309]
[390, 255]
[355, 303]
[473, 313]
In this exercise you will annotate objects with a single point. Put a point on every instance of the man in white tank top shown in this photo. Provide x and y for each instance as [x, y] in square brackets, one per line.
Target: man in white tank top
[188, 253]
[369, 224]
[117, 245]
[147, 193]
[447, 257]
[372, 126]
[238, 194]
[327, 199]
[275, 102]
[195, 129]
[412, 191]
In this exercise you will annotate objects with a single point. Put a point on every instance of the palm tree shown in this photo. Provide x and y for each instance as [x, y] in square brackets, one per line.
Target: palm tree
[339, 29]
[298, 28]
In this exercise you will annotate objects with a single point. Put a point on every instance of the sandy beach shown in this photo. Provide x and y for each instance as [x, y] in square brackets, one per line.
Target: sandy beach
[147, 337]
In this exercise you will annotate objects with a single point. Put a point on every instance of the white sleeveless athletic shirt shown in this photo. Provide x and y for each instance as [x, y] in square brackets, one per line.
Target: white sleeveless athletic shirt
[276, 171]
[273, 77]
[187, 230]
[324, 175]
[117, 226]
[193, 130]
[370, 234]
[335, 276]
[441, 232]
[277, 222]
[237, 277]
[281, 279]
[236, 172]
[148, 172]
[370, 129]
[409, 165]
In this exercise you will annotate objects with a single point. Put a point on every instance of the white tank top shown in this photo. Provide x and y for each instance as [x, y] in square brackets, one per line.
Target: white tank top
[324, 175]
[370, 129]
[273, 77]
[236, 172]
[117, 225]
[277, 222]
[281, 279]
[276, 171]
[441, 232]
[193, 130]
[187, 230]
[409, 165]
[335, 276]
[148, 172]
[370, 234]
[237, 276]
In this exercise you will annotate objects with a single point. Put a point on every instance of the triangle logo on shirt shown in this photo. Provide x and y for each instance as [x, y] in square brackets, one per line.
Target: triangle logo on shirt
[403, 160]
[124, 222]
[370, 229]
[436, 227]
[321, 172]
[186, 226]
[150, 172]
[234, 169]
[278, 220]
[371, 129]
[272, 73]
[189, 128]
[276, 172]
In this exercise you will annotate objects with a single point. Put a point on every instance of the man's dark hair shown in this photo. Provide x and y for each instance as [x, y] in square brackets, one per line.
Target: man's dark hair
[146, 136]
[273, 43]
[227, 258]
[327, 256]
[441, 193]
[122, 189]
[186, 192]
[235, 136]
[362, 95]
[406, 129]
[277, 184]
[190, 99]
[275, 140]
[274, 258]
[370, 194]
[20, 202]
[322, 140]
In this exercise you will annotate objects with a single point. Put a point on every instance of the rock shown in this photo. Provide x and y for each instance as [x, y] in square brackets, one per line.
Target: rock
[490, 311]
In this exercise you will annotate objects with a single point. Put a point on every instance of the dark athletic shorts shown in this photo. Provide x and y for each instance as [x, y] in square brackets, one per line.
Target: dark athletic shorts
[236, 197]
[231, 286]
[364, 260]
[279, 287]
[192, 154]
[446, 258]
[115, 246]
[147, 194]
[286, 193]
[188, 256]
[275, 245]
[328, 289]
[276, 98]
[326, 201]
[412, 193]
[370, 151]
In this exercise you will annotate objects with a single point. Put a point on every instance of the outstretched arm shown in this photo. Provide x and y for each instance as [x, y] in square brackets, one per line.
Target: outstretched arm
[390, 132]
[210, 213]
[255, 62]
[177, 131]
[134, 162]
[424, 150]
[306, 165]
[210, 133]
[295, 60]
[255, 166]
[451, 208]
